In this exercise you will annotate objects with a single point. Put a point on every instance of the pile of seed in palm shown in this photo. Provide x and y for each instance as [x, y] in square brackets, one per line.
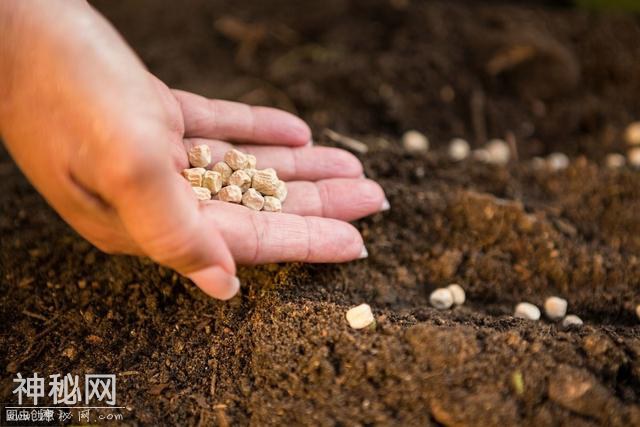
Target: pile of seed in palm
[235, 180]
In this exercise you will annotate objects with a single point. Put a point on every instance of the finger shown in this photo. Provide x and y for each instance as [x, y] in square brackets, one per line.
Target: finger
[163, 216]
[265, 237]
[292, 163]
[345, 199]
[233, 121]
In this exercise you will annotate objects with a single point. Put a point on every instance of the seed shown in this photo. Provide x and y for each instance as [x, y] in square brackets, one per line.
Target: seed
[499, 152]
[224, 170]
[194, 176]
[202, 193]
[634, 157]
[272, 204]
[632, 134]
[360, 317]
[526, 310]
[415, 142]
[615, 161]
[231, 194]
[457, 293]
[638, 311]
[236, 159]
[555, 308]
[441, 298]
[200, 156]
[213, 181]
[251, 161]
[265, 181]
[241, 179]
[250, 172]
[571, 320]
[281, 191]
[253, 199]
[459, 149]
[558, 161]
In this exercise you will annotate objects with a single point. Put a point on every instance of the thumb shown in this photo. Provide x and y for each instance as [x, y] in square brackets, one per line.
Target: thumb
[162, 215]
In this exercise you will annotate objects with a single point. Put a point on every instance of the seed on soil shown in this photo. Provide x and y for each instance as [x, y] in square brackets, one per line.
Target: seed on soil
[360, 317]
[555, 308]
[213, 181]
[558, 161]
[526, 310]
[200, 156]
[272, 204]
[241, 179]
[571, 320]
[459, 149]
[253, 199]
[638, 311]
[415, 142]
[632, 134]
[265, 181]
[236, 159]
[499, 152]
[231, 194]
[457, 293]
[615, 161]
[441, 298]
[194, 176]
[633, 155]
[224, 170]
[202, 193]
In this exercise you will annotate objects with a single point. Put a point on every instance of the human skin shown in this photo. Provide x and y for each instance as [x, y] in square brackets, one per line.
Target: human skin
[104, 142]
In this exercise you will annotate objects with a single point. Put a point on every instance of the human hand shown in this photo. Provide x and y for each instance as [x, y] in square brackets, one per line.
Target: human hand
[104, 142]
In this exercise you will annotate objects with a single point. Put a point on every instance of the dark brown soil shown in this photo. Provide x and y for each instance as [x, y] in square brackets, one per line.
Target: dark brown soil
[282, 353]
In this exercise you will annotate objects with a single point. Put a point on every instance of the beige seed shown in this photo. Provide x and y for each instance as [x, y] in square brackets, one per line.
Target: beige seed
[555, 308]
[265, 181]
[459, 149]
[457, 293]
[360, 317]
[231, 194]
[251, 161]
[253, 199]
[241, 179]
[571, 320]
[224, 170]
[272, 204]
[236, 159]
[200, 156]
[281, 191]
[441, 298]
[194, 176]
[638, 311]
[633, 155]
[213, 181]
[526, 310]
[415, 142]
[499, 152]
[632, 134]
[615, 161]
[558, 161]
[202, 193]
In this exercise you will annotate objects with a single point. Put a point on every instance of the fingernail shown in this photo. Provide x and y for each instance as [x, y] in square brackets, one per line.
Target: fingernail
[216, 282]
[385, 205]
[364, 253]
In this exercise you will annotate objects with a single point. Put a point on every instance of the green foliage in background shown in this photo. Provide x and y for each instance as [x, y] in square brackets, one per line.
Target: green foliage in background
[628, 5]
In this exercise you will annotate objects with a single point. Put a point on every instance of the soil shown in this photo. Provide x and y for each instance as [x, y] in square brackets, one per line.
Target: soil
[550, 78]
